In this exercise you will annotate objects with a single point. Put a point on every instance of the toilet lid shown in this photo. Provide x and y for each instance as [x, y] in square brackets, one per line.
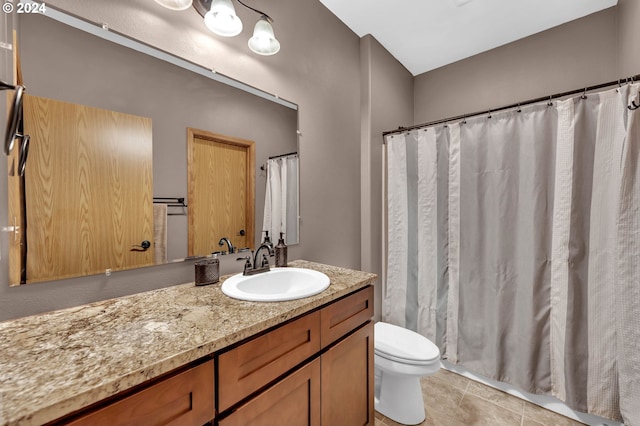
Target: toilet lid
[393, 342]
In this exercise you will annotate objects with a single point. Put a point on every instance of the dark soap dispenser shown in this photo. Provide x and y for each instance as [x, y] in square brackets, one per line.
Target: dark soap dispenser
[281, 252]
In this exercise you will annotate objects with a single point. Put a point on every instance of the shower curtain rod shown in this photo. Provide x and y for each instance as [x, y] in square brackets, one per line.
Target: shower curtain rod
[264, 166]
[282, 155]
[584, 90]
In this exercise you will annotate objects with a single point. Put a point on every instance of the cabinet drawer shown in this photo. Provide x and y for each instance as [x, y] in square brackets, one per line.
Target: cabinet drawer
[254, 364]
[340, 317]
[181, 400]
[293, 401]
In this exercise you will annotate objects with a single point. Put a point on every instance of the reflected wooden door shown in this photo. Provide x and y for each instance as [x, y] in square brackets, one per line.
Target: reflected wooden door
[89, 189]
[221, 182]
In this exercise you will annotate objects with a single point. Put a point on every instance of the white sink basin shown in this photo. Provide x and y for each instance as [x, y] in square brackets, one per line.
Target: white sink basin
[277, 285]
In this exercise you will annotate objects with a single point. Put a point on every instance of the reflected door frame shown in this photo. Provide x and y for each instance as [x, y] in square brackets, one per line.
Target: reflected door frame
[248, 147]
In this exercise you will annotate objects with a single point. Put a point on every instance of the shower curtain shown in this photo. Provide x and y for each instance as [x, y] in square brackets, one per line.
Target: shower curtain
[513, 242]
[281, 198]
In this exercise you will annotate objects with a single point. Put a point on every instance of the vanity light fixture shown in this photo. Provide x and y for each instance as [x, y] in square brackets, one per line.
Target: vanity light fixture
[264, 41]
[220, 17]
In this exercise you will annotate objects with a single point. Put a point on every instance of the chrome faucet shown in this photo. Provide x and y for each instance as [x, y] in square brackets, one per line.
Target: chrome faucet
[251, 265]
[224, 240]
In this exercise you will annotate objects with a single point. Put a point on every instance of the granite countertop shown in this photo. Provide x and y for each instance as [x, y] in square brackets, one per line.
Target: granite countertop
[56, 363]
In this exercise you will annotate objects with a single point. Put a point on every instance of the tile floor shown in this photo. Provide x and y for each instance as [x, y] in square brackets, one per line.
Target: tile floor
[459, 401]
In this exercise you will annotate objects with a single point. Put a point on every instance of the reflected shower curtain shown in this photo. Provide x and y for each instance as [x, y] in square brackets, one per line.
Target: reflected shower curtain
[281, 198]
[514, 244]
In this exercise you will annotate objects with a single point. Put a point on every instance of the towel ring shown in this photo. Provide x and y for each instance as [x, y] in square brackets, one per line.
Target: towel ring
[15, 115]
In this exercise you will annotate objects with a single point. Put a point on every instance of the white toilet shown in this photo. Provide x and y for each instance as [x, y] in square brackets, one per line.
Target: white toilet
[401, 357]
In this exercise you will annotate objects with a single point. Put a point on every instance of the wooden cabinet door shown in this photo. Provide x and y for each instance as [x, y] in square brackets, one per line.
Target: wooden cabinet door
[185, 399]
[293, 401]
[347, 381]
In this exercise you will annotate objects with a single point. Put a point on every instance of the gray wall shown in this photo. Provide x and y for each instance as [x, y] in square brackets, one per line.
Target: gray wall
[628, 48]
[318, 68]
[592, 50]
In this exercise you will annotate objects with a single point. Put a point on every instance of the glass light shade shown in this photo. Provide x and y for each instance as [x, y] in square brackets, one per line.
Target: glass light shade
[222, 19]
[175, 4]
[264, 41]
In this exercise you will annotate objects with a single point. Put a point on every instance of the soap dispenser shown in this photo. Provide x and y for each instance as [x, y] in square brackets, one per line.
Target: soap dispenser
[281, 252]
[267, 240]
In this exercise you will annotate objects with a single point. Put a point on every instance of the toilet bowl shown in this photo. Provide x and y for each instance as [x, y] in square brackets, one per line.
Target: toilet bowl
[401, 358]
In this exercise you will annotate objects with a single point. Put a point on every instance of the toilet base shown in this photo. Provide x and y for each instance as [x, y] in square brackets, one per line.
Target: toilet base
[401, 399]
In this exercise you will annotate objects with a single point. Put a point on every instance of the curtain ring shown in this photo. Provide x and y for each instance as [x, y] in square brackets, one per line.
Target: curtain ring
[519, 109]
[550, 103]
[584, 94]
[489, 116]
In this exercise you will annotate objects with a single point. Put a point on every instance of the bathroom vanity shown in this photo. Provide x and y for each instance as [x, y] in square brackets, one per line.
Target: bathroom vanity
[190, 355]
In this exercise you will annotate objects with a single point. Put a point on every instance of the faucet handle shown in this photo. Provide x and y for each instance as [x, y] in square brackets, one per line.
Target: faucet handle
[247, 263]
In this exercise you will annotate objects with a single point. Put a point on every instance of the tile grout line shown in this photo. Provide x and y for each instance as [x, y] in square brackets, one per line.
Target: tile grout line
[496, 403]
[464, 393]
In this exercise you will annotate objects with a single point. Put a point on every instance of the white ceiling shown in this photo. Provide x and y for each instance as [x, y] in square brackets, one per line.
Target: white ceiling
[427, 34]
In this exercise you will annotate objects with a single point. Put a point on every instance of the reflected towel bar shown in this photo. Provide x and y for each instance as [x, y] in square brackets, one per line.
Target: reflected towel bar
[172, 202]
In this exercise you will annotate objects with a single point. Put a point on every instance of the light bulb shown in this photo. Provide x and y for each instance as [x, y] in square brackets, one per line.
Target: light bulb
[263, 42]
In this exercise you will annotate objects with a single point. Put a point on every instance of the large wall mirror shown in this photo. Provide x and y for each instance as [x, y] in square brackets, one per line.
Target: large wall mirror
[165, 130]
